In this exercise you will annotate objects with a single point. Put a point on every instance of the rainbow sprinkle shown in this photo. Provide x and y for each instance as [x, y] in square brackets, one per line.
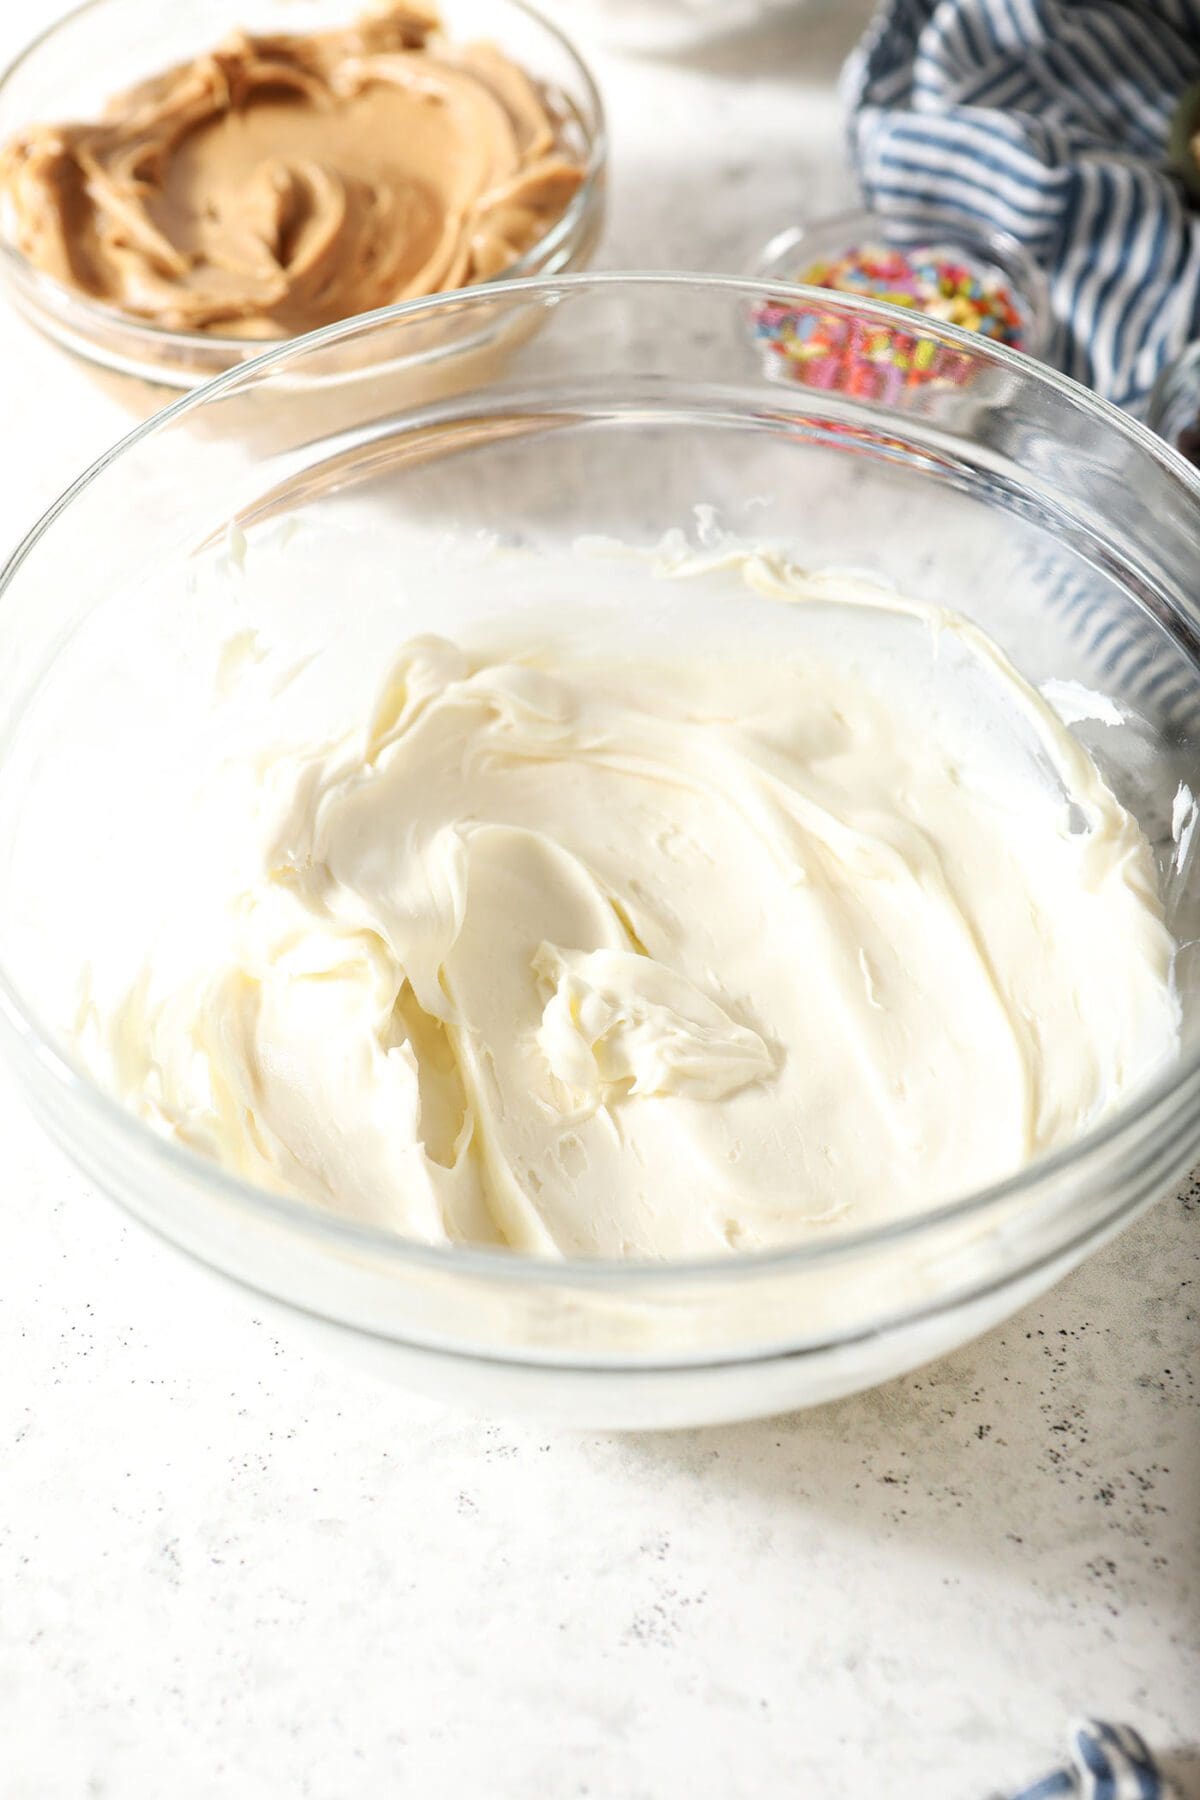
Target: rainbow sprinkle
[826, 350]
[927, 280]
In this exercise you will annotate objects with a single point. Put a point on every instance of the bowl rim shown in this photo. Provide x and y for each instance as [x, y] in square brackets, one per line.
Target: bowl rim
[25, 1034]
[54, 293]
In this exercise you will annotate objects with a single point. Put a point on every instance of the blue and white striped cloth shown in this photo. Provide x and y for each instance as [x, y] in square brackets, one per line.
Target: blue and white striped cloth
[1108, 1762]
[1048, 119]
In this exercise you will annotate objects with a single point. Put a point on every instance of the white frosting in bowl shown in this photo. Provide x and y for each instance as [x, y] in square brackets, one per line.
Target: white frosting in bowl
[585, 948]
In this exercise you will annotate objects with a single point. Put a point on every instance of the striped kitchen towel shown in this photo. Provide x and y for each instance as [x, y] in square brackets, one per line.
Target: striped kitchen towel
[1048, 119]
[1108, 1762]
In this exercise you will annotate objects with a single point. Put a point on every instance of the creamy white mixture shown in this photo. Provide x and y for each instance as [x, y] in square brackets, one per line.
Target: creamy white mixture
[588, 950]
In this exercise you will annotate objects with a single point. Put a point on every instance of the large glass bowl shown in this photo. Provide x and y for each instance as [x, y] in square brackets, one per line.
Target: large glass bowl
[612, 405]
[104, 46]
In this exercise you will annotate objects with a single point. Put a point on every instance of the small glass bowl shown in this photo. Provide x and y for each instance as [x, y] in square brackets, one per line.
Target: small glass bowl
[1173, 409]
[104, 46]
[790, 253]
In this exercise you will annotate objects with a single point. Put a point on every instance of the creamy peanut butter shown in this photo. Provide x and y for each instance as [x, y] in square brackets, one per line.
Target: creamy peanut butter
[589, 946]
[284, 182]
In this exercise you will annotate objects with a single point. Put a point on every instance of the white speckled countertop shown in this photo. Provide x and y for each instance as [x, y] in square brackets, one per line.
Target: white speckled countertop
[228, 1570]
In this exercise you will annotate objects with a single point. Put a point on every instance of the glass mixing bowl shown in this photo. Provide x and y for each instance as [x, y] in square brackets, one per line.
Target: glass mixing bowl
[105, 46]
[613, 405]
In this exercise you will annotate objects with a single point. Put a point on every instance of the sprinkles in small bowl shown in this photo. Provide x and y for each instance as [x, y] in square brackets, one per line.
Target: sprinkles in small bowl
[929, 280]
[982, 283]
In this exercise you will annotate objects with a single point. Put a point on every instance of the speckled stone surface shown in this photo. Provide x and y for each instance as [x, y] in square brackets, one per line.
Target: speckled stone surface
[227, 1569]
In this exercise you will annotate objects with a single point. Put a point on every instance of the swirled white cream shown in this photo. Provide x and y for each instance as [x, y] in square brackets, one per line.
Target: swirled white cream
[593, 952]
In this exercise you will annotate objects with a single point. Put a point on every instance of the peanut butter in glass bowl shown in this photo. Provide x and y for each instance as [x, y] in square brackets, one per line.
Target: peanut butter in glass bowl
[237, 183]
